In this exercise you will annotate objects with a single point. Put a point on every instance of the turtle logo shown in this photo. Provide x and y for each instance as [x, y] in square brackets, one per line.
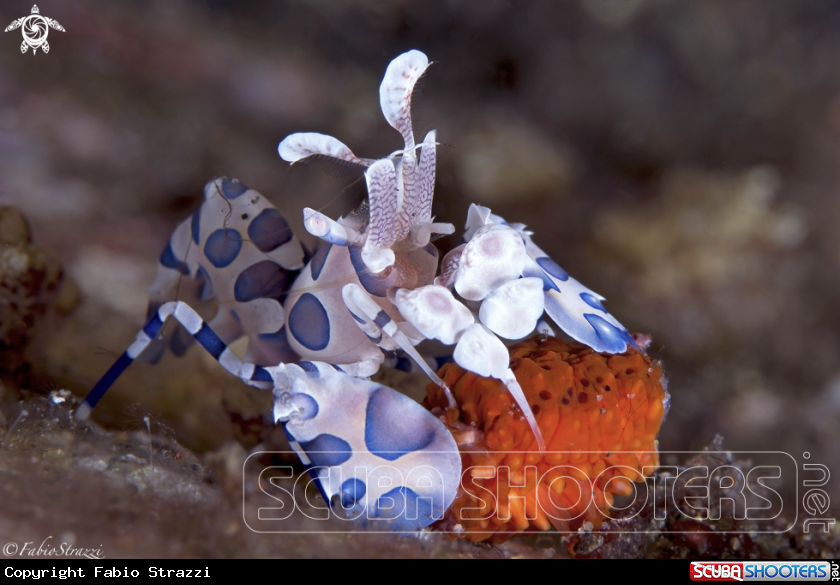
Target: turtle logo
[35, 29]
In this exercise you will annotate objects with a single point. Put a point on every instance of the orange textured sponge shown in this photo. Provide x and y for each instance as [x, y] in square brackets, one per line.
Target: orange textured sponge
[599, 414]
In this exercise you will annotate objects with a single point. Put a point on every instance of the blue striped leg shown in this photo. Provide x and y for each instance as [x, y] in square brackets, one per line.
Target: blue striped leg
[383, 331]
[249, 373]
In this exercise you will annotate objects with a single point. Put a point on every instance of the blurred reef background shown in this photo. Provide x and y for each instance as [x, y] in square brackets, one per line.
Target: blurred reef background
[681, 158]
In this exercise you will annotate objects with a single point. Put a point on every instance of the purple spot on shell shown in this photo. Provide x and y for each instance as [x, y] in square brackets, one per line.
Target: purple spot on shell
[615, 340]
[552, 268]
[309, 323]
[318, 261]
[269, 230]
[232, 188]
[592, 301]
[265, 279]
[222, 247]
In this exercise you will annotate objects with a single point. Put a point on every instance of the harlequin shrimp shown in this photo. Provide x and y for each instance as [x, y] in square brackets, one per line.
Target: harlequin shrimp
[372, 289]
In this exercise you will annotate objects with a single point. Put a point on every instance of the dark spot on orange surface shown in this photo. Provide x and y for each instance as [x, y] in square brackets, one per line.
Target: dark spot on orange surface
[566, 400]
[535, 409]
[583, 397]
[585, 383]
[607, 388]
[545, 395]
